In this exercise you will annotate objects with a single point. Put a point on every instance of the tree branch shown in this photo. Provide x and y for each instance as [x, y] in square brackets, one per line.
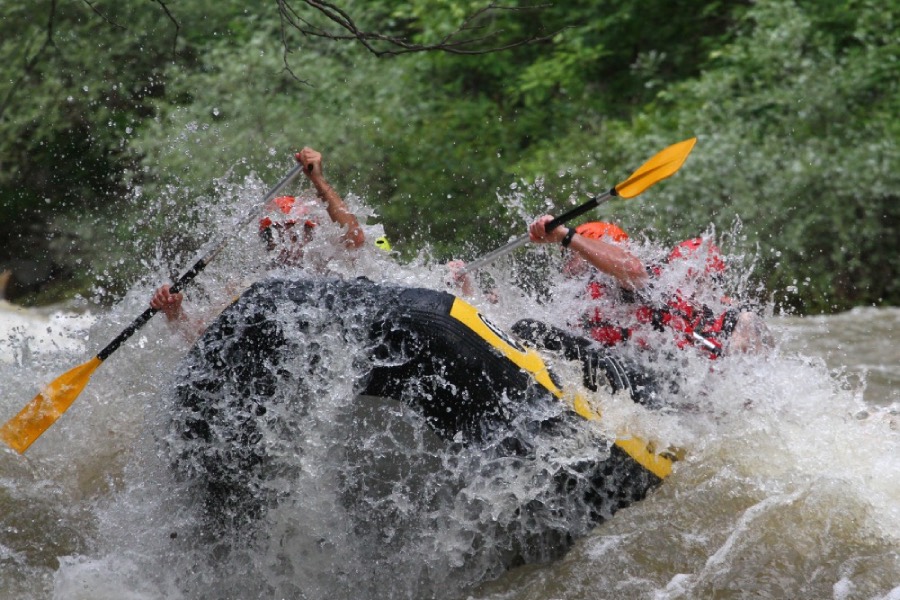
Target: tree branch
[31, 63]
[456, 42]
[288, 15]
[174, 22]
[103, 16]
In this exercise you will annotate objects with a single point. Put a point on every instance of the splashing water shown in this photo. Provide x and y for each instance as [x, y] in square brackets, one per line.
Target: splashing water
[789, 487]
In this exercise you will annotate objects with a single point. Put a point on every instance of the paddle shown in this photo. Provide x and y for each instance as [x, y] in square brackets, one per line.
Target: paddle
[38, 415]
[661, 166]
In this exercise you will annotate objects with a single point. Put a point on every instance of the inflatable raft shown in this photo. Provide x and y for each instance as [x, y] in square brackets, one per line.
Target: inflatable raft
[433, 351]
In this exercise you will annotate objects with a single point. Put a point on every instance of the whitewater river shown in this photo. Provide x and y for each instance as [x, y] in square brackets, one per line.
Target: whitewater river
[789, 486]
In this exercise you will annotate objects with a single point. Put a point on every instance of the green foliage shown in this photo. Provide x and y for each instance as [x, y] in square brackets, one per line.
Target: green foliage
[63, 121]
[800, 142]
[796, 141]
[124, 124]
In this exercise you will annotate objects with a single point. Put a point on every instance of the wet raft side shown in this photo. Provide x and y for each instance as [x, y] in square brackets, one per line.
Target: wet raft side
[240, 397]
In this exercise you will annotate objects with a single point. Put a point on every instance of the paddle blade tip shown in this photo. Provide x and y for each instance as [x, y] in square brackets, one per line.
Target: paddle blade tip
[663, 165]
[688, 145]
[44, 410]
[15, 442]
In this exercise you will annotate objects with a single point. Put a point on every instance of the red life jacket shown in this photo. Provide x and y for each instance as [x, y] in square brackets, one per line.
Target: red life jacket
[694, 325]
[600, 328]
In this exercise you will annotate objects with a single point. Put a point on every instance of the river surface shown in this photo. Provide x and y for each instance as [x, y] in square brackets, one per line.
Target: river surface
[789, 488]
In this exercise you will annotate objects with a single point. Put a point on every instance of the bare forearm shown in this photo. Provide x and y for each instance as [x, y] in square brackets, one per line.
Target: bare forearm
[626, 268]
[311, 160]
[339, 213]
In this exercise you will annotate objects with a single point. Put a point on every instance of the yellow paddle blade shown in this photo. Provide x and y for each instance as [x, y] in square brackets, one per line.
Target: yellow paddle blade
[656, 169]
[38, 415]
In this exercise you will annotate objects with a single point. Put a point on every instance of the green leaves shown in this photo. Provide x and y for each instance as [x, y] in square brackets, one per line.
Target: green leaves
[796, 141]
[118, 121]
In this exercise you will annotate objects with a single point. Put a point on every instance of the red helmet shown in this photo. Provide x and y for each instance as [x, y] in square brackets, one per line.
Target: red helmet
[287, 205]
[597, 229]
[687, 248]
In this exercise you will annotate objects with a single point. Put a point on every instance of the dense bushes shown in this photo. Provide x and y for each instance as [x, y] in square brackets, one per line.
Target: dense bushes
[797, 142]
[794, 104]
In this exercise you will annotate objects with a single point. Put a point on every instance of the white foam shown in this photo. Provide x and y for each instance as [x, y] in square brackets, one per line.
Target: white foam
[26, 331]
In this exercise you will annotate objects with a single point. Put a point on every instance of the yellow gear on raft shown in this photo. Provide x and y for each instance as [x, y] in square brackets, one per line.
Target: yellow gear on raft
[383, 243]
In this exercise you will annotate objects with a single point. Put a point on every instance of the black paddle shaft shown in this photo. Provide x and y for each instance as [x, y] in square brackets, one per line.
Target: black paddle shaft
[145, 316]
[191, 273]
[579, 210]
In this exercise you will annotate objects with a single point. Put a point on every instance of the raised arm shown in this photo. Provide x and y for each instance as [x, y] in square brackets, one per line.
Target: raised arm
[353, 236]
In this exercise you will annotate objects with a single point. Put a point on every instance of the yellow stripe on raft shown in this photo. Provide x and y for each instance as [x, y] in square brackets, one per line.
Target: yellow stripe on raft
[531, 361]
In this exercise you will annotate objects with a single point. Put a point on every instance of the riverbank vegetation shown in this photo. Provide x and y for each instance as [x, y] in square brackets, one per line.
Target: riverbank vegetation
[115, 119]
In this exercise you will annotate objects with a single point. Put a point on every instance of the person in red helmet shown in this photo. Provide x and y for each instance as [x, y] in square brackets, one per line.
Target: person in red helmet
[287, 228]
[624, 311]
[299, 212]
[599, 246]
[595, 247]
